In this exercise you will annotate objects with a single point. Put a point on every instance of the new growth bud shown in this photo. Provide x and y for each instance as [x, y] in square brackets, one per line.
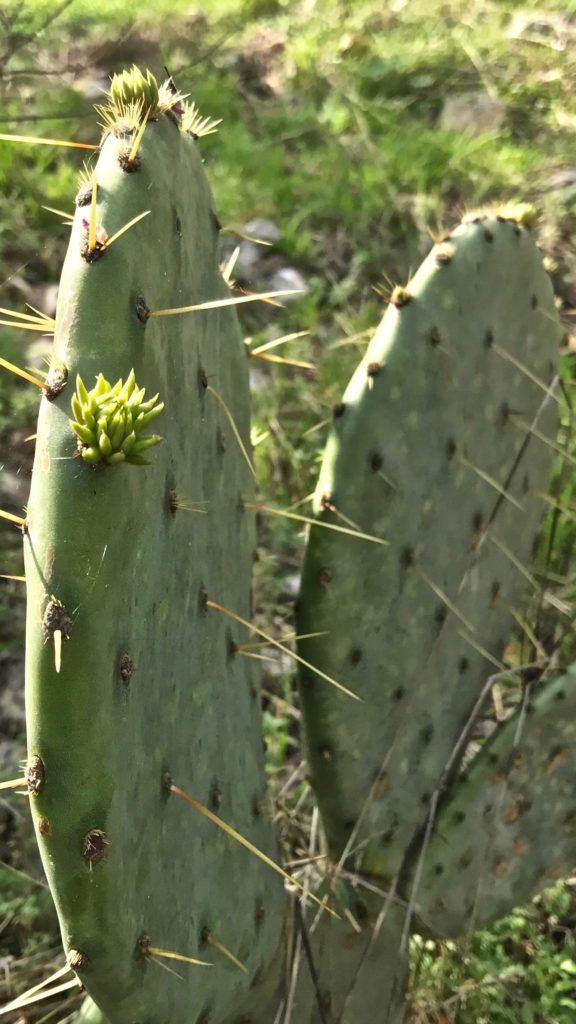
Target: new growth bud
[109, 421]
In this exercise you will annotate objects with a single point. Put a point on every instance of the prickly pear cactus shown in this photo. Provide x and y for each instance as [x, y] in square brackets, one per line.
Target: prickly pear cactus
[432, 452]
[134, 521]
[508, 828]
[139, 545]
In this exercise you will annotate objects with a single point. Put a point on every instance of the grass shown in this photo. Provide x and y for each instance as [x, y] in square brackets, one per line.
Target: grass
[331, 129]
[520, 971]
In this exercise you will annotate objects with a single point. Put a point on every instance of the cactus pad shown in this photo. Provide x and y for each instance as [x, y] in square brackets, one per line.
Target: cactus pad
[507, 829]
[431, 449]
[130, 677]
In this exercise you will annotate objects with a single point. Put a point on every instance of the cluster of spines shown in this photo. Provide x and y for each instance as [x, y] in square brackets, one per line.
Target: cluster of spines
[136, 98]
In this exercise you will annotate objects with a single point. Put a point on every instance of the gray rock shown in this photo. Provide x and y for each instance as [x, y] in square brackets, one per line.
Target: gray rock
[485, 727]
[273, 671]
[251, 257]
[266, 230]
[475, 113]
[562, 179]
[248, 258]
[554, 30]
[38, 352]
[287, 278]
[12, 711]
[563, 182]
[292, 585]
[43, 296]
[14, 488]
[12, 753]
[93, 88]
[259, 379]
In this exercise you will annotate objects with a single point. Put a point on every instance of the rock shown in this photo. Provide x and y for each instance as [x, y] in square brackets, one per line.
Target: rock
[14, 488]
[12, 753]
[247, 261]
[124, 48]
[252, 257]
[475, 113]
[259, 379]
[38, 352]
[280, 665]
[292, 585]
[266, 230]
[485, 728]
[93, 87]
[12, 714]
[41, 296]
[260, 65]
[12, 727]
[287, 278]
[563, 182]
[553, 30]
[256, 263]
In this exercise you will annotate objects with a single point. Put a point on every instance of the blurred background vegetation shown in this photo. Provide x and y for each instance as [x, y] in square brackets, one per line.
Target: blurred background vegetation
[352, 134]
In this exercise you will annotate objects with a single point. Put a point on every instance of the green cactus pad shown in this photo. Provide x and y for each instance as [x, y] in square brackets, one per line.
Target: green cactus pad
[430, 450]
[89, 1013]
[118, 572]
[362, 971]
[507, 828]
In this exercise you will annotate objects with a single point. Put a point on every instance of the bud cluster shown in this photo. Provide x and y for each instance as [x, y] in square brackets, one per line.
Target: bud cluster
[109, 421]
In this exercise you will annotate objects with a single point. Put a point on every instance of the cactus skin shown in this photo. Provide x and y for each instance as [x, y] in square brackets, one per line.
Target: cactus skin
[148, 684]
[362, 977]
[432, 397]
[507, 829]
[89, 1013]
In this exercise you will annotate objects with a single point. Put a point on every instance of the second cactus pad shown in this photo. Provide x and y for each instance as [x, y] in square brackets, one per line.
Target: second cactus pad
[506, 830]
[438, 448]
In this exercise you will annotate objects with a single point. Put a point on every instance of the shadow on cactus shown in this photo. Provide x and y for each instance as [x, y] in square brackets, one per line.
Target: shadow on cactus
[146, 770]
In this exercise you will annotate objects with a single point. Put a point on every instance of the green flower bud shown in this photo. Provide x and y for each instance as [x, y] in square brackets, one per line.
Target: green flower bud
[128, 443]
[84, 433]
[105, 445]
[117, 430]
[109, 421]
[133, 87]
[92, 454]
